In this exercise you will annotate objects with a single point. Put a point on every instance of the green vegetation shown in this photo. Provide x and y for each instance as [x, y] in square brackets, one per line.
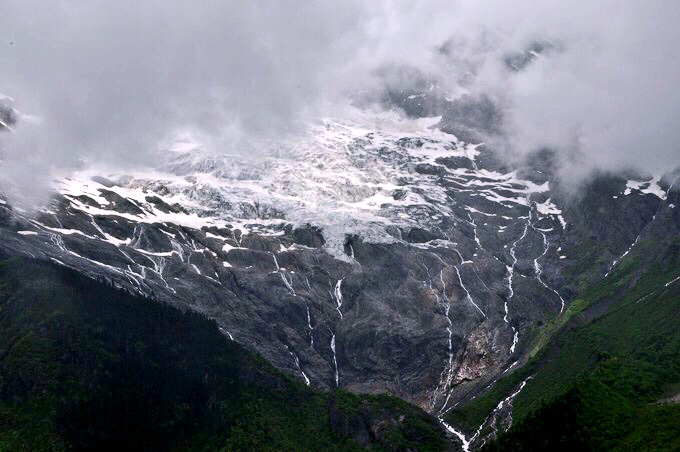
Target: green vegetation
[610, 287]
[575, 307]
[87, 366]
[599, 369]
[591, 416]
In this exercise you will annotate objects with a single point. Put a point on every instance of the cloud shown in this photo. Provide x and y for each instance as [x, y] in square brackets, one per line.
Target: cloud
[605, 95]
[610, 96]
[111, 80]
[115, 76]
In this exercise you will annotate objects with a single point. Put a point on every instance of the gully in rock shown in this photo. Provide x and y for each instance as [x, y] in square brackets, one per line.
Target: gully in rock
[284, 277]
[337, 296]
[492, 419]
[511, 292]
[296, 360]
[468, 297]
[309, 326]
[335, 359]
[447, 373]
[538, 269]
[309, 316]
[465, 444]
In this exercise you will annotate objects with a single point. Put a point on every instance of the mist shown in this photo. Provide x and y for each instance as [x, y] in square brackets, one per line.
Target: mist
[111, 81]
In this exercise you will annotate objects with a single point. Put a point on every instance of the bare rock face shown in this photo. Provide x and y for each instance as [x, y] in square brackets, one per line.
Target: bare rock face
[379, 255]
[477, 357]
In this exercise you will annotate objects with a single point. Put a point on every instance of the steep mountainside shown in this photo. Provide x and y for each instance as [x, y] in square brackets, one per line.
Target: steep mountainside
[84, 366]
[376, 253]
[604, 374]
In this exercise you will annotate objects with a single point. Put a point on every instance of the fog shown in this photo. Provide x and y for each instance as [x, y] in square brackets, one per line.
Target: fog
[111, 80]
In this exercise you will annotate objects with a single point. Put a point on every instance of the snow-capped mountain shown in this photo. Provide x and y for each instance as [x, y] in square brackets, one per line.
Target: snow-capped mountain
[375, 252]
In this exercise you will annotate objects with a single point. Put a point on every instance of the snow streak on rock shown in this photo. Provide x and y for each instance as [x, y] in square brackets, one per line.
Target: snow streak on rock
[227, 333]
[537, 266]
[296, 359]
[465, 444]
[672, 281]
[467, 293]
[620, 258]
[309, 325]
[494, 417]
[335, 361]
[337, 295]
[511, 291]
[309, 316]
[286, 278]
[443, 388]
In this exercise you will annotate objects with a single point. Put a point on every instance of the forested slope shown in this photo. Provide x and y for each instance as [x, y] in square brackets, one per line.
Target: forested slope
[87, 366]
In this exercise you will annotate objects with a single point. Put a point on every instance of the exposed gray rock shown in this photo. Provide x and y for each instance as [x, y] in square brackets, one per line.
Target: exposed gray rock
[470, 117]
[406, 262]
[309, 235]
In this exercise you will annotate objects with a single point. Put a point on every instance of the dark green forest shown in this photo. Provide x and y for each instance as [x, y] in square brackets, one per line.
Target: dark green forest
[85, 366]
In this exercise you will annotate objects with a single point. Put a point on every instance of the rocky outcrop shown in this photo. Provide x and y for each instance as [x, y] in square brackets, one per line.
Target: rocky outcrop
[476, 357]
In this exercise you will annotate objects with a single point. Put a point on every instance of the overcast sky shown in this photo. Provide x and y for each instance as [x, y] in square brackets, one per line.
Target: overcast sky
[112, 79]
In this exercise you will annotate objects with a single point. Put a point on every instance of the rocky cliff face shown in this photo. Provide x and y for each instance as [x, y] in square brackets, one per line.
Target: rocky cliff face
[375, 253]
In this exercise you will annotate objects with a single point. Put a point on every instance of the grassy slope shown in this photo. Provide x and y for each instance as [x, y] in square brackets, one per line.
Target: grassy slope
[611, 355]
[86, 366]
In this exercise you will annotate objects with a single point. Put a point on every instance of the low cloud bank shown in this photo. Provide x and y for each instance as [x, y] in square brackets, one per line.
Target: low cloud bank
[112, 80]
